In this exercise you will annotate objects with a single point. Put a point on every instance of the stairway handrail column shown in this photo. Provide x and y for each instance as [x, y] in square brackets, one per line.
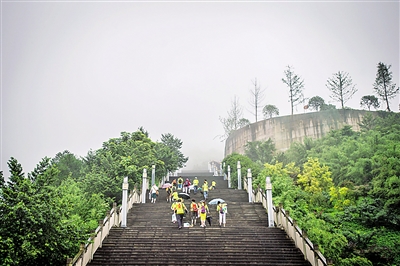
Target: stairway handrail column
[268, 191]
[249, 185]
[229, 176]
[125, 187]
[239, 175]
[144, 185]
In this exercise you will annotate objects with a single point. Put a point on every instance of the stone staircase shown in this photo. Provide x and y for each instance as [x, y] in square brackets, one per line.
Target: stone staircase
[150, 237]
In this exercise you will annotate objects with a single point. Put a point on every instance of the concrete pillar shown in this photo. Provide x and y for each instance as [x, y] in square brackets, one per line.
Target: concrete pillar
[239, 174]
[144, 186]
[268, 191]
[229, 176]
[125, 187]
[153, 174]
[223, 171]
[249, 185]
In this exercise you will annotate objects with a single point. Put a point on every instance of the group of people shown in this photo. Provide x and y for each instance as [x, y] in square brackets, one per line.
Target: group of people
[197, 210]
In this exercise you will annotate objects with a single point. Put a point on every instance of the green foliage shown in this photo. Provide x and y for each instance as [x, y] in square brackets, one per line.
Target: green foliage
[68, 166]
[245, 163]
[260, 151]
[45, 216]
[384, 87]
[369, 101]
[316, 103]
[171, 155]
[32, 231]
[347, 197]
[270, 110]
[119, 157]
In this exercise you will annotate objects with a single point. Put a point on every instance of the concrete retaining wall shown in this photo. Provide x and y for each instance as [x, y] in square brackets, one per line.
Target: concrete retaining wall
[285, 130]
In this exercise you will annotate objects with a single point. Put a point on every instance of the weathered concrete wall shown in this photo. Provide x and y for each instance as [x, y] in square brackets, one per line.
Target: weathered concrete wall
[288, 129]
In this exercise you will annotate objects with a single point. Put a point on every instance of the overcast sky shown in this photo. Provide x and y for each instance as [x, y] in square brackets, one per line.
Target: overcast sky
[75, 74]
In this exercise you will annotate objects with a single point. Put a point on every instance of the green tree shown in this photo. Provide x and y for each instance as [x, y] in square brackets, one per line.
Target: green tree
[127, 156]
[260, 151]
[270, 110]
[170, 152]
[316, 103]
[295, 85]
[32, 231]
[316, 180]
[341, 86]
[369, 101]
[384, 86]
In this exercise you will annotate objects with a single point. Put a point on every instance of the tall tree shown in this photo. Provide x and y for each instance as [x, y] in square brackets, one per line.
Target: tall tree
[257, 96]
[296, 86]
[316, 103]
[341, 86]
[260, 151]
[175, 158]
[270, 110]
[234, 120]
[384, 86]
[33, 228]
[368, 101]
[68, 165]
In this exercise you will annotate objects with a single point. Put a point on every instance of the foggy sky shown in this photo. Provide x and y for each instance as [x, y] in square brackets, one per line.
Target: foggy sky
[75, 74]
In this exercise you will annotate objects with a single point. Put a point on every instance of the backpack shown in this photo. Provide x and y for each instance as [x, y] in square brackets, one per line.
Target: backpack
[223, 209]
[194, 207]
[203, 209]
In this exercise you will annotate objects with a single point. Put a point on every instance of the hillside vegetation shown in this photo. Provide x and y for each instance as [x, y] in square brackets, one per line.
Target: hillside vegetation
[343, 189]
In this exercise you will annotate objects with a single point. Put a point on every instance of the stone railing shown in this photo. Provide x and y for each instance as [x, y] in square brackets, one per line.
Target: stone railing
[113, 219]
[284, 222]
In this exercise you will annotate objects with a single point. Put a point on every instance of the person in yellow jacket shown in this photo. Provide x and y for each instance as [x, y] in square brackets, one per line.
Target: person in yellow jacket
[203, 210]
[180, 210]
[205, 189]
[213, 184]
[175, 195]
[195, 185]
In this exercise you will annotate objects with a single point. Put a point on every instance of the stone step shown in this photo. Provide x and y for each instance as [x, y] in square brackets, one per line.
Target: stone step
[151, 239]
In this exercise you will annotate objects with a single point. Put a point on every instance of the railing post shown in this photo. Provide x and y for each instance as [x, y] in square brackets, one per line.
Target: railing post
[144, 186]
[316, 254]
[268, 188]
[304, 233]
[223, 171]
[329, 262]
[249, 185]
[294, 232]
[281, 215]
[229, 176]
[115, 214]
[287, 221]
[69, 262]
[101, 232]
[81, 250]
[125, 187]
[239, 174]
[153, 174]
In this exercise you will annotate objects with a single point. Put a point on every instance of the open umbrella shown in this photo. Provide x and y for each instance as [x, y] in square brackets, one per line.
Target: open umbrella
[215, 201]
[166, 185]
[184, 195]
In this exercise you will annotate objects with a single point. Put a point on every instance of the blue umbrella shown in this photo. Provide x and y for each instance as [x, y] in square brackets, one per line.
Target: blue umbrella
[215, 201]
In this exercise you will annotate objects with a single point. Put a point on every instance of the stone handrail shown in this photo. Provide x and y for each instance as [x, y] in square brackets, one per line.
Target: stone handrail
[284, 222]
[113, 219]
